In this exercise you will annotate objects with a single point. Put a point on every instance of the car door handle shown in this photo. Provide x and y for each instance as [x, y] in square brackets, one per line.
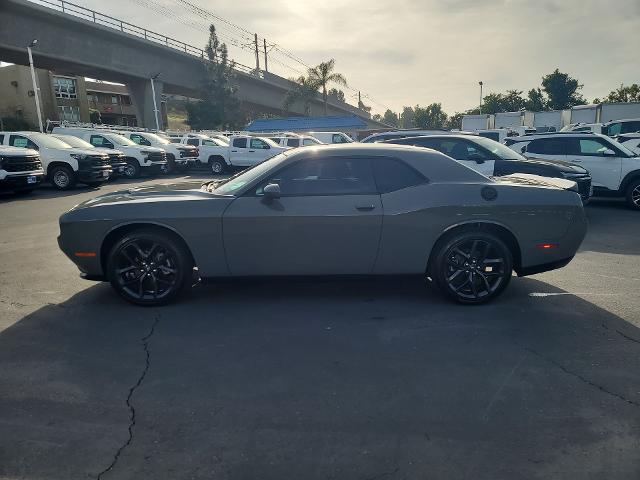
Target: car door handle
[234, 151]
[365, 208]
[252, 151]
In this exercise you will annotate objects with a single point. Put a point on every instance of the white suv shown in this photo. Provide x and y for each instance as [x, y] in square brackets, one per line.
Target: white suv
[179, 156]
[615, 170]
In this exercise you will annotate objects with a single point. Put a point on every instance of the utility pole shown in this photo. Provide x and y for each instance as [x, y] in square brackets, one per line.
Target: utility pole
[36, 93]
[255, 42]
[480, 83]
[266, 69]
[155, 105]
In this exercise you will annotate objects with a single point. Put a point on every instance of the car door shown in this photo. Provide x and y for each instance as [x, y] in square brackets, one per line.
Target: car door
[327, 221]
[239, 151]
[258, 151]
[468, 154]
[592, 153]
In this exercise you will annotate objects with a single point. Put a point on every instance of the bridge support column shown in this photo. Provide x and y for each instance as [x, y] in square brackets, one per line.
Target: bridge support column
[142, 96]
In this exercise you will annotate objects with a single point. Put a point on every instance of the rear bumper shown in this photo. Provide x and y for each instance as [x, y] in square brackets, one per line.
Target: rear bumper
[545, 267]
[21, 181]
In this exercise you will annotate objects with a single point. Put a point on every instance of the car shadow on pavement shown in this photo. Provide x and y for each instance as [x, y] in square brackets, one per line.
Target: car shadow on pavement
[321, 379]
[613, 228]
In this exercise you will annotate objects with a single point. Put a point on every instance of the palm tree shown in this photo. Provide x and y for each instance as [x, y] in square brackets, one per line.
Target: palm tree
[323, 74]
[305, 91]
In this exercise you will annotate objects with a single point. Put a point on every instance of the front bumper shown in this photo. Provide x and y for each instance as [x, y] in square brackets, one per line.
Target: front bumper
[101, 174]
[22, 181]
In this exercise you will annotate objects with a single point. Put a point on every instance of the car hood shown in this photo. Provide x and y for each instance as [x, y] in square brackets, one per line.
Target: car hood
[559, 165]
[83, 151]
[108, 151]
[537, 181]
[152, 194]
[141, 147]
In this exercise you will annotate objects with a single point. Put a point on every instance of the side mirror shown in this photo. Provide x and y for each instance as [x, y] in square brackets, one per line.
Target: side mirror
[271, 191]
[108, 145]
[523, 149]
[607, 152]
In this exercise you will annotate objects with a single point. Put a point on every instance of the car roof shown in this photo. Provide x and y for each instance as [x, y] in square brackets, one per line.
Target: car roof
[533, 136]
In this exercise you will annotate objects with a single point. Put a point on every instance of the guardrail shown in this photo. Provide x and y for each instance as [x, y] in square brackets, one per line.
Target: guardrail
[126, 27]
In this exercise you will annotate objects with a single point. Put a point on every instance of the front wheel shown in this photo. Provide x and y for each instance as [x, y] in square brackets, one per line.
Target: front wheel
[633, 194]
[217, 165]
[149, 268]
[62, 177]
[132, 170]
[472, 267]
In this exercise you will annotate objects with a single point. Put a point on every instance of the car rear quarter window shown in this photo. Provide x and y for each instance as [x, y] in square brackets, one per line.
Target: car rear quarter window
[548, 146]
[193, 141]
[392, 174]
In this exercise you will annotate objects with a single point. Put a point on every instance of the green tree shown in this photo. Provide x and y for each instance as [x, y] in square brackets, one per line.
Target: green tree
[535, 100]
[390, 118]
[305, 91]
[406, 117]
[431, 116]
[455, 121]
[624, 94]
[339, 94]
[512, 101]
[377, 117]
[562, 90]
[322, 75]
[94, 116]
[218, 108]
[493, 103]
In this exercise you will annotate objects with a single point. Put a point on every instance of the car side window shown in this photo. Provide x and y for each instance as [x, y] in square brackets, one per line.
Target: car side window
[22, 142]
[630, 127]
[209, 143]
[392, 175]
[1, 139]
[461, 150]
[240, 143]
[547, 146]
[338, 138]
[293, 142]
[308, 142]
[258, 144]
[139, 139]
[100, 141]
[591, 147]
[193, 141]
[325, 176]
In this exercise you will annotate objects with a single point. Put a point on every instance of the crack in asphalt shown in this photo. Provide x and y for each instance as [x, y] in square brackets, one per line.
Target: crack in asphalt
[132, 410]
[581, 378]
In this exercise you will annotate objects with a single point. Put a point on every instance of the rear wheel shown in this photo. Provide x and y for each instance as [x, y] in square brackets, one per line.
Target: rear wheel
[62, 177]
[472, 267]
[633, 194]
[147, 267]
[217, 165]
[171, 163]
[132, 170]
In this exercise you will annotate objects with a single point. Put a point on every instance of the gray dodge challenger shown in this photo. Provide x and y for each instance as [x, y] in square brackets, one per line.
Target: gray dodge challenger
[358, 209]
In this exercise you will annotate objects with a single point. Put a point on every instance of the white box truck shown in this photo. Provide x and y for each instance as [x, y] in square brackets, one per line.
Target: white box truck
[550, 121]
[514, 119]
[619, 111]
[471, 123]
[584, 114]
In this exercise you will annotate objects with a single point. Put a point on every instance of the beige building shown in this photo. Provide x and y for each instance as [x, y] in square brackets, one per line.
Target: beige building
[62, 98]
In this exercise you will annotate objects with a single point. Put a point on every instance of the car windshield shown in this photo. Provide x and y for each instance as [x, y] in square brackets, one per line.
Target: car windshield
[501, 151]
[74, 141]
[120, 140]
[153, 138]
[233, 184]
[48, 141]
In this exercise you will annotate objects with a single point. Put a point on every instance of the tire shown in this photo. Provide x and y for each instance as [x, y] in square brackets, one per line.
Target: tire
[147, 267]
[472, 267]
[132, 170]
[171, 164]
[217, 165]
[62, 177]
[633, 194]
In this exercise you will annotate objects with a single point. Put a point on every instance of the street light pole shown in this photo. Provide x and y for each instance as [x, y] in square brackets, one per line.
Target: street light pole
[480, 83]
[36, 92]
[155, 105]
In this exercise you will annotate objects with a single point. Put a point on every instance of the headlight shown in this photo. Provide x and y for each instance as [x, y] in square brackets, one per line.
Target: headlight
[79, 156]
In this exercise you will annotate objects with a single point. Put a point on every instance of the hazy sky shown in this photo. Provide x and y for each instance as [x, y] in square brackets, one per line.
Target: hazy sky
[407, 52]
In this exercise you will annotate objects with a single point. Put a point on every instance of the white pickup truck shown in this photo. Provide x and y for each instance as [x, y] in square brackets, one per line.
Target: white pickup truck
[148, 159]
[64, 166]
[20, 169]
[242, 151]
[179, 157]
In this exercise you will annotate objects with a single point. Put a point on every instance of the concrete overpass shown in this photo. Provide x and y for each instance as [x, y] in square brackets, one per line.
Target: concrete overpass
[73, 40]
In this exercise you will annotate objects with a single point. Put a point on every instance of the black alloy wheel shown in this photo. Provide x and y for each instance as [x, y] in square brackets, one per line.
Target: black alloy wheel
[149, 267]
[633, 194]
[473, 267]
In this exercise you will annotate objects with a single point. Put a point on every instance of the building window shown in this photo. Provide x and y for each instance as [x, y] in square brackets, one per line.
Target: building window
[69, 114]
[65, 87]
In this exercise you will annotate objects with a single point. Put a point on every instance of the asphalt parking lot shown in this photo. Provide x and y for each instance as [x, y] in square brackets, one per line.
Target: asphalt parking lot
[317, 379]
